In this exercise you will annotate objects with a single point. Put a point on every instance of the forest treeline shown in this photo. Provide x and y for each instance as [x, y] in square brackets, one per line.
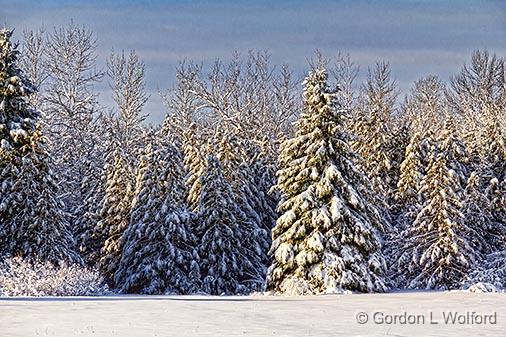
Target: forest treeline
[252, 182]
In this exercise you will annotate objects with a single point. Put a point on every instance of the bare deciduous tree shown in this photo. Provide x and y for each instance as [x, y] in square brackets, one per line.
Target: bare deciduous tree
[32, 63]
[127, 82]
[76, 132]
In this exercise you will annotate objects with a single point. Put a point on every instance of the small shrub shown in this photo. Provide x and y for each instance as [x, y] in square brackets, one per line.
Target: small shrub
[490, 275]
[20, 277]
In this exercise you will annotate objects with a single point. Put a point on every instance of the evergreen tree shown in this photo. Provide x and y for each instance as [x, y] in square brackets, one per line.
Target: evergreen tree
[491, 271]
[411, 174]
[496, 194]
[494, 152]
[264, 175]
[478, 212]
[17, 119]
[222, 259]
[33, 223]
[114, 215]
[238, 170]
[493, 164]
[193, 164]
[158, 255]
[89, 238]
[435, 250]
[328, 236]
[426, 111]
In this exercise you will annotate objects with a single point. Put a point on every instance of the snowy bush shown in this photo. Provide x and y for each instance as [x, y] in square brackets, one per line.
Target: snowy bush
[20, 277]
[490, 276]
[482, 287]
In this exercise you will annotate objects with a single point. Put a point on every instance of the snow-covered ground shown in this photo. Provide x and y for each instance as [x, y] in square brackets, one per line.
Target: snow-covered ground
[255, 315]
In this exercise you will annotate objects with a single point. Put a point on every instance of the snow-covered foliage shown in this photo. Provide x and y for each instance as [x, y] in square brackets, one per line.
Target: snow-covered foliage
[33, 223]
[73, 119]
[491, 272]
[194, 162]
[17, 116]
[328, 237]
[89, 237]
[483, 287]
[374, 130]
[435, 250]
[425, 108]
[477, 95]
[115, 212]
[255, 241]
[222, 257]
[32, 62]
[234, 162]
[410, 178]
[158, 254]
[108, 181]
[20, 277]
[126, 75]
[478, 213]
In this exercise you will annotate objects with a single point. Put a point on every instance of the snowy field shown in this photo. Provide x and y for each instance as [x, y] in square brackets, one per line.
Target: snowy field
[336, 315]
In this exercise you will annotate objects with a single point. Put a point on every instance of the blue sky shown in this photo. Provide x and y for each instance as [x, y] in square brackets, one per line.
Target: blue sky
[418, 37]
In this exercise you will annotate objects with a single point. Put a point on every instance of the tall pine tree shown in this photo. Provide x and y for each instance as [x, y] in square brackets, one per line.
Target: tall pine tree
[33, 223]
[158, 254]
[328, 237]
[222, 259]
[436, 251]
[114, 215]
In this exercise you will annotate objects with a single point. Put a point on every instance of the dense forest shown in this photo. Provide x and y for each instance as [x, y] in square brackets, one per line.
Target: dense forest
[253, 182]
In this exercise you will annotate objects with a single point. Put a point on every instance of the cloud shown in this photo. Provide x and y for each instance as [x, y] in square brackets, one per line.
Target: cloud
[417, 37]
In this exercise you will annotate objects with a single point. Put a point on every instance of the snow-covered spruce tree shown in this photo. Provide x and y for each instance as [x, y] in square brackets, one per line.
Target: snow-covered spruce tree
[477, 96]
[262, 171]
[18, 118]
[492, 271]
[478, 213]
[411, 172]
[328, 237]
[495, 192]
[158, 246]
[33, 223]
[115, 212]
[422, 116]
[494, 151]
[264, 174]
[123, 139]
[194, 163]
[221, 257]
[435, 250]
[89, 236]
[254, 239]
[493, 162]
[407, 198]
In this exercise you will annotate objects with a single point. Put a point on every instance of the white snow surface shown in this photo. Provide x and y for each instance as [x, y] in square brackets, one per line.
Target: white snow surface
[329, 315]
